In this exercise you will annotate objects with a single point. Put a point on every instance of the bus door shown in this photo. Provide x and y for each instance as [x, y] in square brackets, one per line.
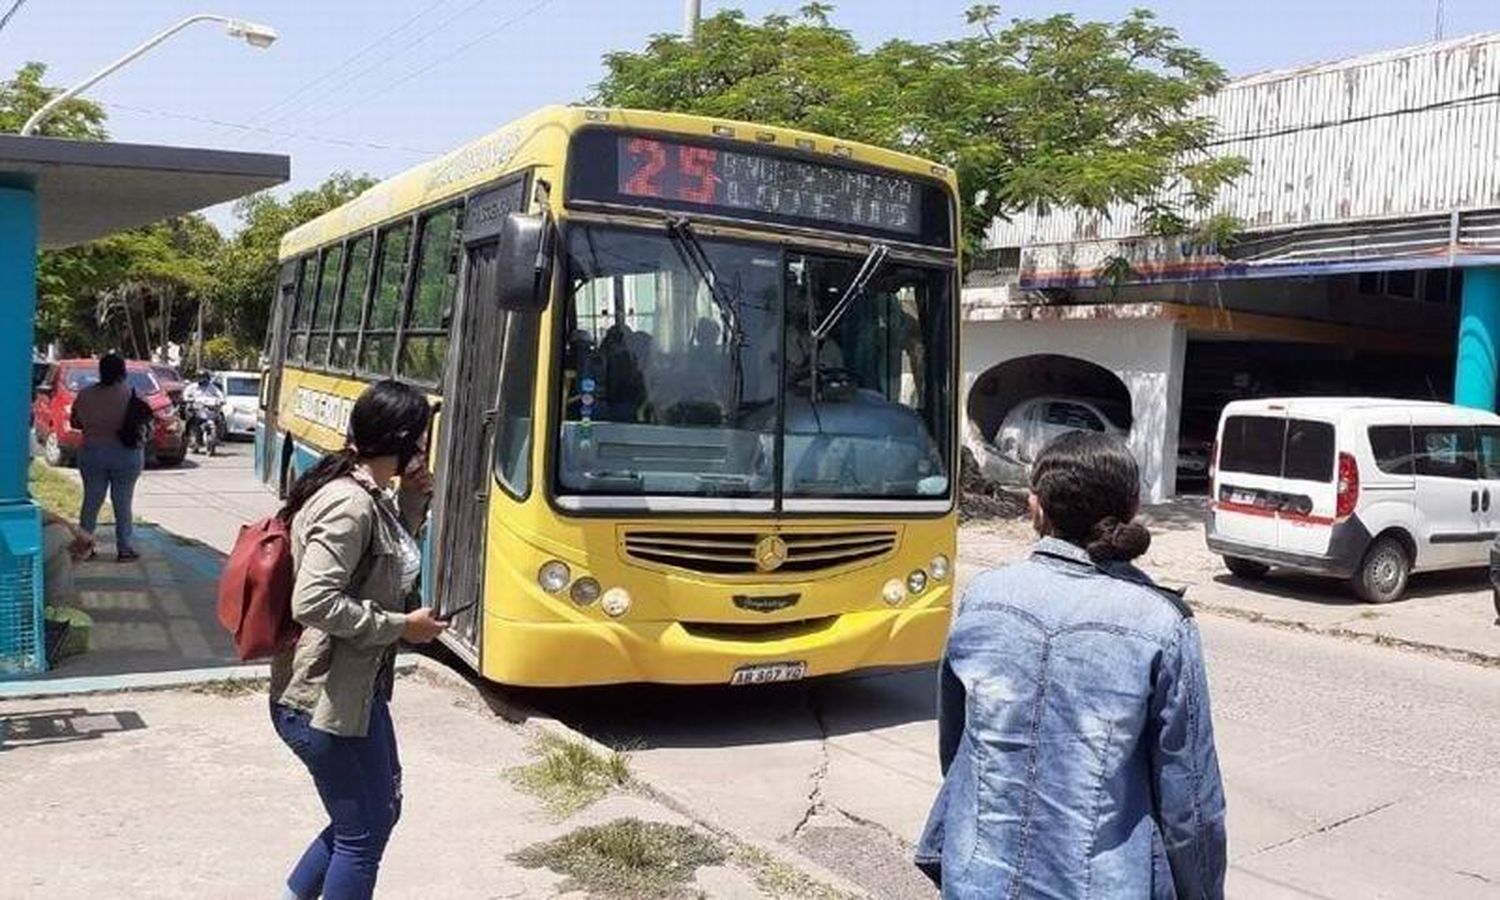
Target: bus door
[267, 442]
[472, 381]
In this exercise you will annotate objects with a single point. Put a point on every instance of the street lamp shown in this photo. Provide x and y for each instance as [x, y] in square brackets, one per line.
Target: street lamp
[256, 35]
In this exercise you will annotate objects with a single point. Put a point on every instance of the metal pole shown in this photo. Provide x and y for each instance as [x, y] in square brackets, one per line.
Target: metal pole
[256, 35]
[1437, 32]
[692, 11]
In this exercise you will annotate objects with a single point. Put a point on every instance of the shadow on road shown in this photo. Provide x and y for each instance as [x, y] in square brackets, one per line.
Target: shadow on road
[646, 716]
[1330, 592]
[63, 726]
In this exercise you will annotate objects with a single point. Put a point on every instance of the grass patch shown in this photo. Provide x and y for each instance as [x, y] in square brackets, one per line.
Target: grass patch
[778, 879]
[57, 492]
[570, 774]
[232, 687]
[627, 859]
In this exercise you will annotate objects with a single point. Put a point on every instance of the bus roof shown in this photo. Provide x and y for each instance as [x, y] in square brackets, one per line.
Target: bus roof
[541, 139]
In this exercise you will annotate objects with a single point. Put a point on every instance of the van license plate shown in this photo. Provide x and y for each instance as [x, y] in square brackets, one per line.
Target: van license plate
[769, 673]
[1244, 498]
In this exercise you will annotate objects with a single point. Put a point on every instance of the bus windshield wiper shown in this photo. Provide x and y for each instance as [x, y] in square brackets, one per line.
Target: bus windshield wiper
[680, 230]
[856, 289]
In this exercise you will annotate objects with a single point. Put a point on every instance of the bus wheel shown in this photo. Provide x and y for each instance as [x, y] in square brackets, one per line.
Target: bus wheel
[1382, 576]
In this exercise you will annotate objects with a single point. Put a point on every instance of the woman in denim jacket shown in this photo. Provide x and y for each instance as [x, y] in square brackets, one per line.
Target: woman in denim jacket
[1074, 729]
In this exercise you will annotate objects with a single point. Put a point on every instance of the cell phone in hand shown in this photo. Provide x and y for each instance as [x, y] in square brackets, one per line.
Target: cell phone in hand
[446, 613]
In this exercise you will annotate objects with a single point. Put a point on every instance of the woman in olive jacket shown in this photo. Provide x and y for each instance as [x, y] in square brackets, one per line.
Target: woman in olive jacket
[357, 560]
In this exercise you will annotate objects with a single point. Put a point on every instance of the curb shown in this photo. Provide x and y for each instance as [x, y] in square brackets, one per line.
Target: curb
[1369, 638]
[147, 681]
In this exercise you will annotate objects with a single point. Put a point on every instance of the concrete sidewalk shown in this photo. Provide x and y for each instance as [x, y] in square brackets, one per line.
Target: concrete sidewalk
[189, 794]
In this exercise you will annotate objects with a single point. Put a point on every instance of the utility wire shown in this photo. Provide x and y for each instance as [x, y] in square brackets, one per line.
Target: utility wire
[348, 61]
[10, 13]
[392, 85]
[297, 135]
[407, 47]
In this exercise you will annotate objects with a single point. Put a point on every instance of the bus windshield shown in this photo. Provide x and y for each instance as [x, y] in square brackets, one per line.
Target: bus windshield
[675, 387]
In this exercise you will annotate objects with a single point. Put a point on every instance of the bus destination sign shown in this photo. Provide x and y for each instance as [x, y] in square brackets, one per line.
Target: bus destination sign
[758, 184]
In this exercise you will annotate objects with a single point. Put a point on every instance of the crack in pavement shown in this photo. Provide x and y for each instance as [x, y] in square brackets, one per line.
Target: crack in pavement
[815, 800]
[1324, 829]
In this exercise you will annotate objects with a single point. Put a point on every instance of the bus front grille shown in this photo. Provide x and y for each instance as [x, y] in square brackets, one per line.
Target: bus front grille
[759, 553]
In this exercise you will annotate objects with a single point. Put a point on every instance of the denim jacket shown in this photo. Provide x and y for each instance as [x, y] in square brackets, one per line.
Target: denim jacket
[1075, 738]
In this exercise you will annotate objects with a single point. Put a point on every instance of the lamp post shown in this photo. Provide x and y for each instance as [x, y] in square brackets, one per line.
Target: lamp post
[258, 36]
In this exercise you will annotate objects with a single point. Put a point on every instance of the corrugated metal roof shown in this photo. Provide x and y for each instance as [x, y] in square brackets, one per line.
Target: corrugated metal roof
[1413, 131]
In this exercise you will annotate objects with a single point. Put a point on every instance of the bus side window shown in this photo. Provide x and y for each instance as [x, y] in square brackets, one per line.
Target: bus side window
[424, 343]
[329, 274]
[351, 304]
[296, 350]
[377, 349]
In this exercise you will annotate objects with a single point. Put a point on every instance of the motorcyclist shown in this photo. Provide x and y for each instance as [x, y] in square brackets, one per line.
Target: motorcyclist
[202, 398]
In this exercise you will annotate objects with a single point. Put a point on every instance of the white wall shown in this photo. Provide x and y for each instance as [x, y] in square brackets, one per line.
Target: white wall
[1147, 355]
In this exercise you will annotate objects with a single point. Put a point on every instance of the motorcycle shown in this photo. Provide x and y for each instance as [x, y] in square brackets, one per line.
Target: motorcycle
[206, 425]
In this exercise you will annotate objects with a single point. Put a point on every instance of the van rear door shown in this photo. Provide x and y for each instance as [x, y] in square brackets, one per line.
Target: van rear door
[1308, 503]
[1249, 477]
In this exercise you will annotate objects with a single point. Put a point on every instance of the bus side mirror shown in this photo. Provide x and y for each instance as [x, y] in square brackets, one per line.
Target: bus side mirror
[524, 263]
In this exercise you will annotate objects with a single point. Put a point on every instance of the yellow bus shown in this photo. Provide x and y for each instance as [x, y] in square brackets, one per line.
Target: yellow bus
[695, 389]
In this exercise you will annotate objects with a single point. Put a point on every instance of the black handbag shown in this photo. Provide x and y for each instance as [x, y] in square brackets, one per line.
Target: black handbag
[137, 428]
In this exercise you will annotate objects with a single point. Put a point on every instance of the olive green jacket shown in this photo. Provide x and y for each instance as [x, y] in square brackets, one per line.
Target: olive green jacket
[348, 599]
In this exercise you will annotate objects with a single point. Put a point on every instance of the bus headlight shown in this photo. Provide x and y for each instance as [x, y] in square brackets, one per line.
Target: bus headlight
[554, 576]
[940, 567]
[616, 602]
[893, 592]
[585, 591]
[916, 582]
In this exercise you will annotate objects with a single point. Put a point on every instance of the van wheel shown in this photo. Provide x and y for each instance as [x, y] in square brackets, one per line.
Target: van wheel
[1248, 569]
[1382, 576]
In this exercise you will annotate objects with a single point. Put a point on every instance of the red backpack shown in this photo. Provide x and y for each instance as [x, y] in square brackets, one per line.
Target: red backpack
[255, 591]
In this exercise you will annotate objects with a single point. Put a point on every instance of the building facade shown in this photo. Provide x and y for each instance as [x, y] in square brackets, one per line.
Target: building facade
[1370, 223]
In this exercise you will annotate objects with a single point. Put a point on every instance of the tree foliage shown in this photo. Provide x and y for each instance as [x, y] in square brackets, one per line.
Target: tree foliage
[245, 272]
[1031, 114]
[24, 94]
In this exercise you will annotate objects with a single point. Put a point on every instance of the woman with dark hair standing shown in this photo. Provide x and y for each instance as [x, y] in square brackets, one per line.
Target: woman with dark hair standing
[108, 466]
[1074, 731]
[357, 559]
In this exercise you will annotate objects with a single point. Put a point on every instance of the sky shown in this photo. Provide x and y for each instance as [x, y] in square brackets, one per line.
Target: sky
[376, 86]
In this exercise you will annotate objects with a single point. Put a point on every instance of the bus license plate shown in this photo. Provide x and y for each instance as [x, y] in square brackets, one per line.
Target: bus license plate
[769, 673]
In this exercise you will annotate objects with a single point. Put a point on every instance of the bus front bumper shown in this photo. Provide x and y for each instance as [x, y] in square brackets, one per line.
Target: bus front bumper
[539, 654]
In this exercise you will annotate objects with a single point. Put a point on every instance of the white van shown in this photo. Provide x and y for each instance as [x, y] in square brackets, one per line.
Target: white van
[1361, 489]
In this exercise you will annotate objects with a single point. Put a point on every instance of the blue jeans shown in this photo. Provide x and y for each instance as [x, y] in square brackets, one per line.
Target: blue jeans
[112, 471]
[359, 782]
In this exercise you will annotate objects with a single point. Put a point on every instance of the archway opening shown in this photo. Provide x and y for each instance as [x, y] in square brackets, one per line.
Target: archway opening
[1008, 392]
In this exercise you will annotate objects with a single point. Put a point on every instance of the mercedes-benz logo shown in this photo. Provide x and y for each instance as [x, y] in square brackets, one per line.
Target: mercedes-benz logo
[770, 553]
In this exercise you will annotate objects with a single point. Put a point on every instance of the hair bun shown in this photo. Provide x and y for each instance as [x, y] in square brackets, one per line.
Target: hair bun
[1116, 541]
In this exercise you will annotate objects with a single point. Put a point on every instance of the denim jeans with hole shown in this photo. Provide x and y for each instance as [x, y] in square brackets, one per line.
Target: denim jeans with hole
[359, 782]
[112, 471]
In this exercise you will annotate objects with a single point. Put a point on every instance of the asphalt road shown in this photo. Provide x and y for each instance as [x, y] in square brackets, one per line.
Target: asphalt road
[1351, 770]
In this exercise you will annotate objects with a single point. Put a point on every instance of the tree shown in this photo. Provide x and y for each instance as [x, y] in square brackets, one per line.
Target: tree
[245, 271]
[1035, 114]
[24, 94]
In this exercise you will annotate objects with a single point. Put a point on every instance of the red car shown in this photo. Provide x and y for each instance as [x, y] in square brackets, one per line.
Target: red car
[53, 404]
[170, 380]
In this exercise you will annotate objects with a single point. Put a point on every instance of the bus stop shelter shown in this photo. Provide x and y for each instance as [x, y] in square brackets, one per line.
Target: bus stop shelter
[54, 194]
